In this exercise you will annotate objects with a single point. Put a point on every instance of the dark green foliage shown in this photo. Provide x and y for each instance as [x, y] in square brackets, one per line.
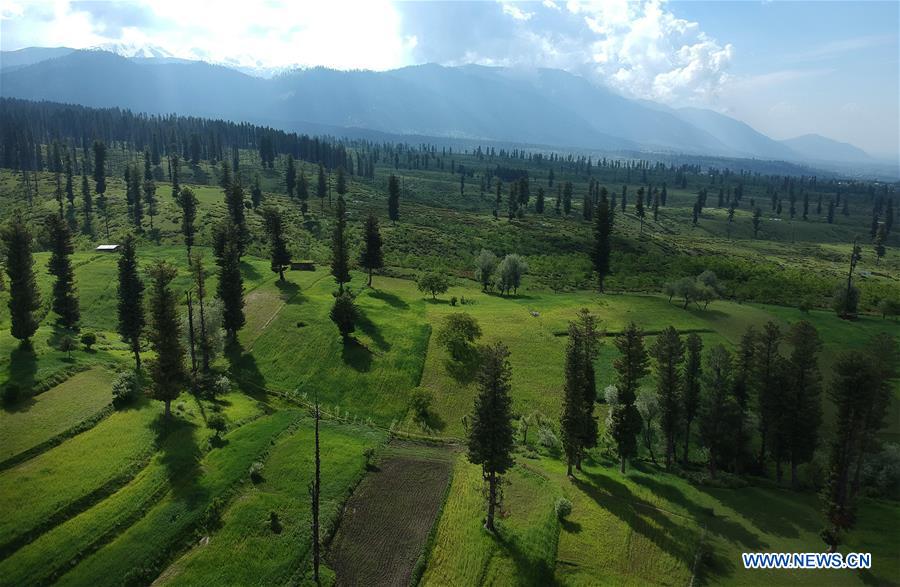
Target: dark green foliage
[234, 198]
[321, 186]
[340, 183]
[371, 256]
[692, 375]
[434, 283]
[130, 294]
[100, 181]
[718, 409]
[24, 297]
[490, 436]
[279, 255]
[290, 176]
[802, 415]
[485, 266]
[631, 367]
[340, 248]
[230, 288]
[767, 379]
[167, 372]
[344, 314]
[668, 351]
[577, 423]
[65, 295]
[188, 202]
[88, 339]
[457, 334]
[256, 193]
[603, 224]
[126, 388]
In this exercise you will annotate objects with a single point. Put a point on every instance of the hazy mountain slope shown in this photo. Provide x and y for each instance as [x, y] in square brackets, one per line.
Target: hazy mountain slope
[818, 148]
[740, 137]
[10, 60]
[535, 106]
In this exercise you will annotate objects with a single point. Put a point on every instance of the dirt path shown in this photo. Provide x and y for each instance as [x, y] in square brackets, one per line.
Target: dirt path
[387, 520]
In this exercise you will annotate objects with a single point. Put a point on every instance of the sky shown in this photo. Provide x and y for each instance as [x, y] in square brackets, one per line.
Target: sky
[785, 68]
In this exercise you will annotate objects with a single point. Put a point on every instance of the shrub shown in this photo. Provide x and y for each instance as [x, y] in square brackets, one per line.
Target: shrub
[434, 283]
[88, 339]
[453, 300]
[125, 388]
[420, 404]
[344, 314]
[547, 438]
[67, 345]
[844, 302]
[563, 508]
[457, 333]
[881, 473]
[217, 423]
[256, 472]
[369, 455]
[274, 523]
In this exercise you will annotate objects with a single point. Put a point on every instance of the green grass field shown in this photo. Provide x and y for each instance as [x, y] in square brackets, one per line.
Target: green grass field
[95, 496]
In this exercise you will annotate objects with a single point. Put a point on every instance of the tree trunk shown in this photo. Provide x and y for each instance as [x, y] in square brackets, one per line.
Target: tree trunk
[190, 307]
[795, 481]
[622, 464]
[569, 468]
[712, 464]
[204, 342]
[687, 443]
[492, 501]
[168, 412]
[281, 272]
[136, 349]
[370, 277]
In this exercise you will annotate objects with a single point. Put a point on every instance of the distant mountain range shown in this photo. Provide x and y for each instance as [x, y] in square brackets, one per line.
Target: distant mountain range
[535, 106]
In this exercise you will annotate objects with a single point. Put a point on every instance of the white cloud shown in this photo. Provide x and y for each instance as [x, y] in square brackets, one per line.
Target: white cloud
[645, 51]
[510, 9]
[339, 34]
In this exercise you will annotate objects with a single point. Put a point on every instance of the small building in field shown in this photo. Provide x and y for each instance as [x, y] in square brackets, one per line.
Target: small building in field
[107, 248]
[304, 265]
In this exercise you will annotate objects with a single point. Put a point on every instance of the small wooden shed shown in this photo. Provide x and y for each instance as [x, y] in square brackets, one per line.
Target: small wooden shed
[107, 248]
[303, 265]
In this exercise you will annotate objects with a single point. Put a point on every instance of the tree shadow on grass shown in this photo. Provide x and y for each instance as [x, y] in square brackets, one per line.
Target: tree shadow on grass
[780, 516]
[372, 331]
[641, 517]
[249, 271]
[732, 531]
[22, 371]
[390, 299]
[288, 290]
[570, 526]
[180, 455]
[356, 355]
[244, 370]
[533, 571]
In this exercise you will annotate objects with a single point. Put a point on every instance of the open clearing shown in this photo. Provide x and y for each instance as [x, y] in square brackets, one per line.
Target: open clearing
[387, 520]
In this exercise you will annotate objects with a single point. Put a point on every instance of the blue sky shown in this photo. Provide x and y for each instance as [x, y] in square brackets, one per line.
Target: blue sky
[785, 68]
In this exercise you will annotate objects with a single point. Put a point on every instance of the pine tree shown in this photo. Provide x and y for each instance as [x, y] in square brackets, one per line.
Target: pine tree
[256, 193]
[718, 410]
[578, 425]
[692, 375]
[100, 181]
[490, 438]
[321, 186]
[167, 371]
[290, 176]
[669, 354]
[602, 241]
[137, 206]
[230, 288]
[341, 182]
[340, 249]
[87, 206]
[65, 295]
[567, 198]
[188, 202]
[742, 385]
[199, 274]
[803, 414]
[131, 301]
[24, 297]
[766, 380]
[279, 255]
[234, 198]
[630, 368]
[853, 381]
[150, 199]
[539, 204]
[303, 192]
[371, 257]
[394, 198]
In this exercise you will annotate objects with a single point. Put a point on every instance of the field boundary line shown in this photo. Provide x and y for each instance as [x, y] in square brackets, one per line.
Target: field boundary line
[58, 439]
